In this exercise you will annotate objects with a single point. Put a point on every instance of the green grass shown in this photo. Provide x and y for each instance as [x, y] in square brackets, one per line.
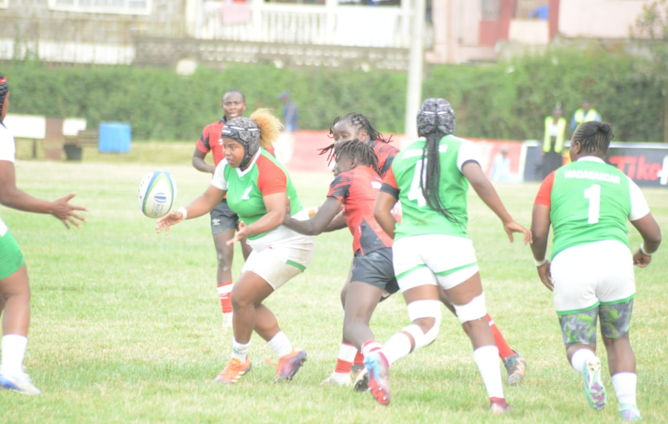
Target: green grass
[154, 152]
[126, 325]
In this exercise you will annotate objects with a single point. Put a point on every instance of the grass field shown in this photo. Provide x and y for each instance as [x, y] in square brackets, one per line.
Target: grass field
[126, 325]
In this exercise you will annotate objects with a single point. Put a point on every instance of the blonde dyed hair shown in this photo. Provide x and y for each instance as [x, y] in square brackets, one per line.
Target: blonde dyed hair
[269, 126]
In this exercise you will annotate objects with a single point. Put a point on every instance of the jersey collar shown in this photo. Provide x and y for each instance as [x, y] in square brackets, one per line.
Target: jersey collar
[590, 159]
[250, 165]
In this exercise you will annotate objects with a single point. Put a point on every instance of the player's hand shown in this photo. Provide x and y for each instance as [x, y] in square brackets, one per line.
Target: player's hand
[167, 221]
[545, 275]
[62, 210]
[513, 227]
[641, 260]
[241, 234]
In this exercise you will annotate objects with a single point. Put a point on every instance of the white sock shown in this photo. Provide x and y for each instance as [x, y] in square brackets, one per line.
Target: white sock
[13, 351]
[371, 346]
[281, 344]
[487, 359]
[240, 350]
[625, 387]
[397, 347]
[347, 352]
[580, 357]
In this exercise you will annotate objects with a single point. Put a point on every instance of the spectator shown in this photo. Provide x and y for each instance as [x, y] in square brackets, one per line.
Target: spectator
[290, 113]
[585, 114]
[501, 166]
[553, 142]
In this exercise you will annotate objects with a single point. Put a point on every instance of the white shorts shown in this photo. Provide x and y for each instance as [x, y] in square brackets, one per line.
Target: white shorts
[433, 259]
[590, 274]
[279, 263]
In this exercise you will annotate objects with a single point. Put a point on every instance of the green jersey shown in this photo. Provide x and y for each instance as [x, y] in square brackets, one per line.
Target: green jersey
[404, 180]
[245, 189]
[590, 201]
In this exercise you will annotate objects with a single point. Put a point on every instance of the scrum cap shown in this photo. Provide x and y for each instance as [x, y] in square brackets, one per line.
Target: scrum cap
[435, 117]
[245, 132]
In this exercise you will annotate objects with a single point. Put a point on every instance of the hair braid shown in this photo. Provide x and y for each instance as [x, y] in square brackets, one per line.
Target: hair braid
[4, 89]
[355, 149]
[430, 178]
[358, 121]
[435, 120]
[594, 136]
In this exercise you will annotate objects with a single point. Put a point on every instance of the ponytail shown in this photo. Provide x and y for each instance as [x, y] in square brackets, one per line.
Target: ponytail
[269, 125]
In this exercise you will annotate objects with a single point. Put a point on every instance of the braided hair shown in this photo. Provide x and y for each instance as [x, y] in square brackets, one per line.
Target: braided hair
[594, 136]
[364, 154]
[358, 121]
[435, 120]
[4, 89]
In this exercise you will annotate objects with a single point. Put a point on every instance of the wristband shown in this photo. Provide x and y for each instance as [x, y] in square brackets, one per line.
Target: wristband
[184, 212]
[642, 249]
[539, 263]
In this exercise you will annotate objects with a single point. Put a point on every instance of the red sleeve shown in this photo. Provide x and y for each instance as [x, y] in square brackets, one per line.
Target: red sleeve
[203, 142]
[544, 195]
[340, 187]
[271, 178]
[389, 179]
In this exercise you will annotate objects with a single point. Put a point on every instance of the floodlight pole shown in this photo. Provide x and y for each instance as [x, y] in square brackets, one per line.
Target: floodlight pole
[416, 58]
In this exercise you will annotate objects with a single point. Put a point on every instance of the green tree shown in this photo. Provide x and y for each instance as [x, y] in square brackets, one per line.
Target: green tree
[651, 29]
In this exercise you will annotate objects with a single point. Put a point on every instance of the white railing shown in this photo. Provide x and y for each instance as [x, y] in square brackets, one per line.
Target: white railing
[329, 24]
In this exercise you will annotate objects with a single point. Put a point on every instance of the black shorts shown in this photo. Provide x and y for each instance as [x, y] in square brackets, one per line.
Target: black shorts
[223, 219]
[376, 268]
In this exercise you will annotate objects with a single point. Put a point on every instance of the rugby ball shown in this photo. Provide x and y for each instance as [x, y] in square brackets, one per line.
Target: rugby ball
[157, 192]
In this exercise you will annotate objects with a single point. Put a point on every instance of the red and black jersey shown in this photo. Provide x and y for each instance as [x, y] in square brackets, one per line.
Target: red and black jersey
[357, 190]
[386, 153]
[211, 141]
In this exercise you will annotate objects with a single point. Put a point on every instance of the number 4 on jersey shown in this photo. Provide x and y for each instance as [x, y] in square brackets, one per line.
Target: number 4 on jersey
[415, 193]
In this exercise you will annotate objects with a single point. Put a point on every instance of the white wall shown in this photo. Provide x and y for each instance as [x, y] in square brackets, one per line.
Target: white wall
[598, 18]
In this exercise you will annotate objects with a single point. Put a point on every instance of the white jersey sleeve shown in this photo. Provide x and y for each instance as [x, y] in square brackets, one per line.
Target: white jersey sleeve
[218, 180]
[639, 206]
[467, 152]
[7, 145]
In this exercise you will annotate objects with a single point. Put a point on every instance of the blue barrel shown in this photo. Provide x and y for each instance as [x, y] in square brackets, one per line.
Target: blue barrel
[115, 137]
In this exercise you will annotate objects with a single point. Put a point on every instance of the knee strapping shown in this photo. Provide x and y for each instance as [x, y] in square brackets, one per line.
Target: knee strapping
[424, 309]
[473, 310]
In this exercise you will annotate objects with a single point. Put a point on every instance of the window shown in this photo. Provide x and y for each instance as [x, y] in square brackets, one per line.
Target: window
[128, 7]
[490, 10]
[531, 9]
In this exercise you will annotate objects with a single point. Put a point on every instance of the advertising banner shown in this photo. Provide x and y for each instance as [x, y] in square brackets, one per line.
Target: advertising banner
[645, 163]
[298, 151]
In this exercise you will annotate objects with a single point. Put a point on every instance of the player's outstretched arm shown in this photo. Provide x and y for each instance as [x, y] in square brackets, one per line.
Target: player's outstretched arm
[12, 197]
[202, 204]
[540, 229]
[337, 223]
[320, 222]
[651, 236]
[485, 190]
[383, 212]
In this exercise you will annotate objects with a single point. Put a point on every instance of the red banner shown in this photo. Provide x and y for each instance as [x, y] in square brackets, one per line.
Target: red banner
[298, 151]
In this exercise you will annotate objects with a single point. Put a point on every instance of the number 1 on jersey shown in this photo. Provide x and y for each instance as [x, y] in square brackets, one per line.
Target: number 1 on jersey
[593, 193]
